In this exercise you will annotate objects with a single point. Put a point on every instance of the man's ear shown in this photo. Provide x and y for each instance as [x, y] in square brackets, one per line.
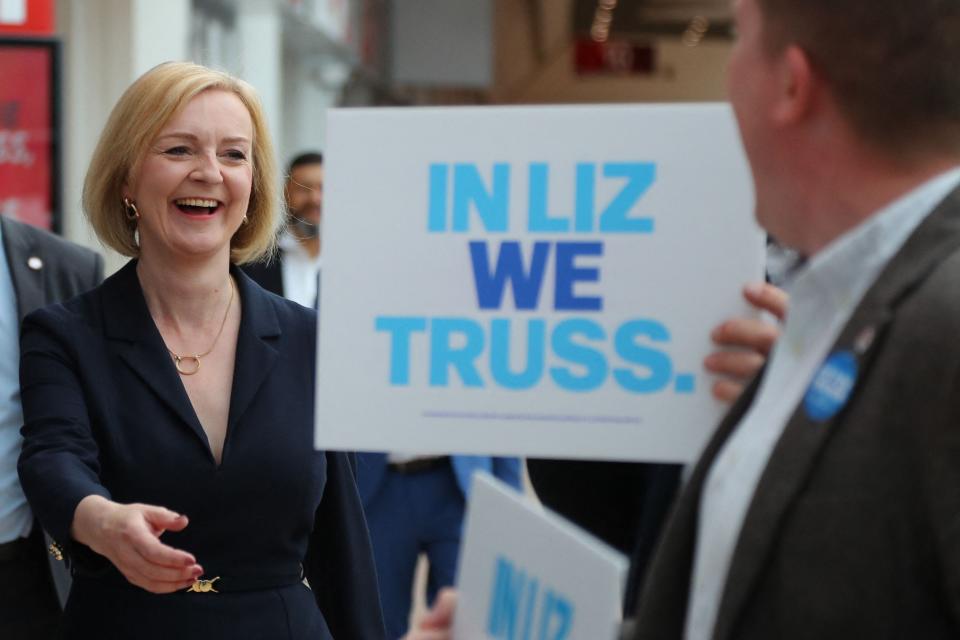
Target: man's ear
[799, 86]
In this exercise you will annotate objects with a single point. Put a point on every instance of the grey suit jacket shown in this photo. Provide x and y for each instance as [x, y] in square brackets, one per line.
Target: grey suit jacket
[854, 530]
[47, 269]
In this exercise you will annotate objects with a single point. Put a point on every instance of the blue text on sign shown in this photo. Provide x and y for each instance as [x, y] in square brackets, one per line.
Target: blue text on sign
[459, 188]
[459, 346]
[521, 610]
[527, 282]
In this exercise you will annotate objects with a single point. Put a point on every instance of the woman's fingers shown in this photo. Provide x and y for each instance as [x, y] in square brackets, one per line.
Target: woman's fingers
[143, 575]
[162, 519]
[129, 536]
[157, 553]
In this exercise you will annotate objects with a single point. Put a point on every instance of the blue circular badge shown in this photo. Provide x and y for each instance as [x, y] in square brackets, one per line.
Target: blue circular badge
[831, 386]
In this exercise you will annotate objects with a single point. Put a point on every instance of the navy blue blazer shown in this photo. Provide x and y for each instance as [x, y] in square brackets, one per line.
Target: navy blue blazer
[106, 413]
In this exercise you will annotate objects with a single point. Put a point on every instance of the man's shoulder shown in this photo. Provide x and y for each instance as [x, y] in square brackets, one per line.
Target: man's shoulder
[927, 314]
[936, 294]
[53, 246]
[268, 274]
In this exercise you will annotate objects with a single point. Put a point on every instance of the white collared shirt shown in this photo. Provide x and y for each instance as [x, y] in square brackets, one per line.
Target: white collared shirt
[299, 272]
[15, 517]
[823, 296]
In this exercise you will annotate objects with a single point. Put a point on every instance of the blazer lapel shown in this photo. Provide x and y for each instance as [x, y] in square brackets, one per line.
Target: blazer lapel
[21, 252]
[256, 355]
[137, 341]
[663, 603]
[796, 453]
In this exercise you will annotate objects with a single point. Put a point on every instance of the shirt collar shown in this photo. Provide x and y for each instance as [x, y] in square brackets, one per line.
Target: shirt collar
[290, 245]
[288, 242]
[834, 280]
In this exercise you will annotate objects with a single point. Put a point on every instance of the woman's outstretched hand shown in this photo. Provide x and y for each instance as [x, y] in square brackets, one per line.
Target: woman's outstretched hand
[128, 535]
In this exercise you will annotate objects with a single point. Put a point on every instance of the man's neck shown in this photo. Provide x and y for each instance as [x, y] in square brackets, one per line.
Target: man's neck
[847, 194]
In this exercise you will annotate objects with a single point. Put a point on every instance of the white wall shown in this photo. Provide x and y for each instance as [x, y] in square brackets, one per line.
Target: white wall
[107, 44]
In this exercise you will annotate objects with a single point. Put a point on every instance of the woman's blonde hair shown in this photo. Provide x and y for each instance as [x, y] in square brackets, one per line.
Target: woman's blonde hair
[136, 120]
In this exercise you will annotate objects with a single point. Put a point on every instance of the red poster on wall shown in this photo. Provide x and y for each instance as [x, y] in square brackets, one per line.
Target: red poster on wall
[28, 134]
[27, 17]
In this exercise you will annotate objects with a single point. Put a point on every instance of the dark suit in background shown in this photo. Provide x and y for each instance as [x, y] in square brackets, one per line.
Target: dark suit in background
[268, 275]
[44, 269]
[420, 512]
[625, 504]
[854, 529]
[107, 414]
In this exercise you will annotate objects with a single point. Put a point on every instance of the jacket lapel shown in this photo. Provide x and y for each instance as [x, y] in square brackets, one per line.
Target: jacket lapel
[796, 453]
[256, 354]
[27, 282]
[128, 324]
[663, 603]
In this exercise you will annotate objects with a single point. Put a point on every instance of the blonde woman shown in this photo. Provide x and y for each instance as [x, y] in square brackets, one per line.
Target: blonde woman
[168, 443]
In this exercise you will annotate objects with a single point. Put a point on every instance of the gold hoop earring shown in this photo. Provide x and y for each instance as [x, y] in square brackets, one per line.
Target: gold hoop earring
[131, 210]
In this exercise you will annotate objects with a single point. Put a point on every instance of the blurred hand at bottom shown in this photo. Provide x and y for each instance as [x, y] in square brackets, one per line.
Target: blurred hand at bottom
[437, 624]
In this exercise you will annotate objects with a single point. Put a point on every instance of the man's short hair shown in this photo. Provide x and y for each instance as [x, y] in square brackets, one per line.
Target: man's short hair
[309, 157]
[893, 65]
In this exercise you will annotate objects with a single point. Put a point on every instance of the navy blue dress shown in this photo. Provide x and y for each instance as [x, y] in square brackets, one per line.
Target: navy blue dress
[106, 413]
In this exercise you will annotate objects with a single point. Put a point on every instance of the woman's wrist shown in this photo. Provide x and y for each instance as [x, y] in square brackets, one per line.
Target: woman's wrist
[88, 519]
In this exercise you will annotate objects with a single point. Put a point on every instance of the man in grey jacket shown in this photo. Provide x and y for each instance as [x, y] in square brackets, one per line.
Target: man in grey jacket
[827, 504]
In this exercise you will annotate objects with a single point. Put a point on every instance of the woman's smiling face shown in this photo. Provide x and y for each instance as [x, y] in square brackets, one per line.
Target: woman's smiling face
[192, 187]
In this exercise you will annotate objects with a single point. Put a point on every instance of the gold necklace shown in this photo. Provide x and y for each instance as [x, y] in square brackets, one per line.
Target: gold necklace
[178, 359]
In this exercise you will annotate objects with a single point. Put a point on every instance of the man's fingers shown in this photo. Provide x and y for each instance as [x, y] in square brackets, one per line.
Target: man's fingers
[738, 364]
[726, 390]
[767, 297]
[749, 333]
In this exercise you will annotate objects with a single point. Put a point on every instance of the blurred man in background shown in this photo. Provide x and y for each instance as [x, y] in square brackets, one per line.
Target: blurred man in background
[294, 273]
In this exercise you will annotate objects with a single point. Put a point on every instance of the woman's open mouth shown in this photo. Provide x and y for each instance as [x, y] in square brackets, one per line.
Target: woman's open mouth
[197, 206]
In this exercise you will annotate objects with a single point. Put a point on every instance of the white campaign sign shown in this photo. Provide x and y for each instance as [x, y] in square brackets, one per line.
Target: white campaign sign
[530, 281]
[527, 573]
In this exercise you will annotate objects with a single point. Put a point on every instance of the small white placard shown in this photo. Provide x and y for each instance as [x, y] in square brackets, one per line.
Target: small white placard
[535, 281]
[13, 11]
[527, 573]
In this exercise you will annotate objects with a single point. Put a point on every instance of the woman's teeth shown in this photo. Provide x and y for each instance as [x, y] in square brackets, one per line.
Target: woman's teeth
[191, 205]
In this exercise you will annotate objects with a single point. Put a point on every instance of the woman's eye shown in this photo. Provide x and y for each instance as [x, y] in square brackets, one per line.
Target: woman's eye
[236, 154]
[177, 151]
